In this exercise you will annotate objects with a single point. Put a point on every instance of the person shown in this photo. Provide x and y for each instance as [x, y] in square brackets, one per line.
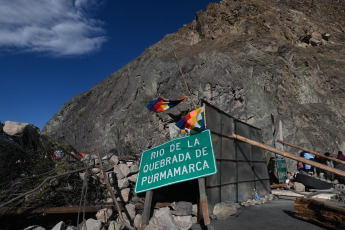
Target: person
[272, 171]
[308, 168]
[341, 156]
[320, 160]
[329, 163]
[300, 164]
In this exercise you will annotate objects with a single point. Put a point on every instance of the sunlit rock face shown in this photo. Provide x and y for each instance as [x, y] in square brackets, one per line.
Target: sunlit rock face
[252, 59]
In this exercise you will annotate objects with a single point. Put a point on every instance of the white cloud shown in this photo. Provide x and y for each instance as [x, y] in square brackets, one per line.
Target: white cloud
[54, 27]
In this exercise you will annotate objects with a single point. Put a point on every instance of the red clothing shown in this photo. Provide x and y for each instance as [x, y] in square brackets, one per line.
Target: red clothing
[300, 166]
[341, 157]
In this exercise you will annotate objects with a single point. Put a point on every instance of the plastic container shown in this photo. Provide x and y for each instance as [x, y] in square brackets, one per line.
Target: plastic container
[256, 196]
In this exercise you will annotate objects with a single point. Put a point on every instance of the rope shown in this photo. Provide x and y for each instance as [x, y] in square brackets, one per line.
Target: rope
[82, 196]
[184, 80]
[87, 176]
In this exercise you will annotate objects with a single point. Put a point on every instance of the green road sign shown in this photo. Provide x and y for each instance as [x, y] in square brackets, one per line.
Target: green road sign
[178, 160]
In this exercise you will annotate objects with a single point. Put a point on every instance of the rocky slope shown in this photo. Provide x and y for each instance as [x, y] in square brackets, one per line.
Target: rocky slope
[251, 58]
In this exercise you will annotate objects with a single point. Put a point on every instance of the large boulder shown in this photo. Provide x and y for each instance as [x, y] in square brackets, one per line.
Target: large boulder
[13, 128]
[224, 210]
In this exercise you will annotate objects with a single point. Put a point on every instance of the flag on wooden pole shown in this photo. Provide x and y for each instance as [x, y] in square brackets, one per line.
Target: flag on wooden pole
[162, 104]
[193, 123]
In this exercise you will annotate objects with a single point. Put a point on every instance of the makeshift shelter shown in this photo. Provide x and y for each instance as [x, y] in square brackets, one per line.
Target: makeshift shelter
[241, 166]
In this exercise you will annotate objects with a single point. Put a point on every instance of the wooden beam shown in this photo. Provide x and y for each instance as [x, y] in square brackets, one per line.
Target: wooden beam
[203, 201]
[328, 215]
[312, 152]
[162, 205]
[289, 155]
[113, 197]
[277, 186]
[59, 210]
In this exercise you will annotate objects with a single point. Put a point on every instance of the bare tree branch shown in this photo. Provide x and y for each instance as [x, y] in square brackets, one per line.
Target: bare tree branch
[41, 185]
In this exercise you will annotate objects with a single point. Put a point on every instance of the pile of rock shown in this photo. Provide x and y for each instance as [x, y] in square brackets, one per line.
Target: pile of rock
[122, 174]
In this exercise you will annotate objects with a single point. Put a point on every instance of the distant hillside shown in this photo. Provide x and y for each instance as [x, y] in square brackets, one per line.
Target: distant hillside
[251, 58]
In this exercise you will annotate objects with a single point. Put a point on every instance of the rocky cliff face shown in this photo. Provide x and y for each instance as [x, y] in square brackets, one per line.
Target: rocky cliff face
[251, 58]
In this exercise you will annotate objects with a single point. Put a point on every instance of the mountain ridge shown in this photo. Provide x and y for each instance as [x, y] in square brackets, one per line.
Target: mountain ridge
[253, 59]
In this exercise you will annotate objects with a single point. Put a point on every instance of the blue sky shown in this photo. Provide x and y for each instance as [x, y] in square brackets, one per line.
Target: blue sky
[51, 50]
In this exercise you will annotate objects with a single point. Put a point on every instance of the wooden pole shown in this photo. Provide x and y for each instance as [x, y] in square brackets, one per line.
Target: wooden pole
[203, 201]
[113, 197]
[290, 155]
[312, 152]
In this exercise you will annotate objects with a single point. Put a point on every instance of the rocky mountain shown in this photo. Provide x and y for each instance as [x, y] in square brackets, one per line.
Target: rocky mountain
[251, 58]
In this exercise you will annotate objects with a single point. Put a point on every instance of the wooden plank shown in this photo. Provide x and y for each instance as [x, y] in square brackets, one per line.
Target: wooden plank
[147, 209]
[277, 186]
[203, 201]
[289, 155]
[330, 216]
[312, 152]
[162, 205]
[60, 210]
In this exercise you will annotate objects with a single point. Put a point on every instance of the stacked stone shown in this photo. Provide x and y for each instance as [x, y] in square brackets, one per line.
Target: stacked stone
[122, 176]
[179, 215]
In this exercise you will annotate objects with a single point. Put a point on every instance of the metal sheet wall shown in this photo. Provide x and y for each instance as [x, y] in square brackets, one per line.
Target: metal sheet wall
[241, 167]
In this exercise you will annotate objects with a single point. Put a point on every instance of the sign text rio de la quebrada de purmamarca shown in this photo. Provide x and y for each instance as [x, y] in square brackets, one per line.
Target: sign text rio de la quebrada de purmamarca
[178, 160]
